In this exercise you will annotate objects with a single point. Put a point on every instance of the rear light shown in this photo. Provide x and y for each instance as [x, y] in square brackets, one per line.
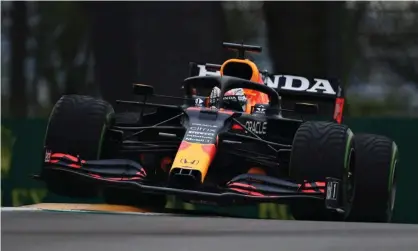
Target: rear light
[339, 108]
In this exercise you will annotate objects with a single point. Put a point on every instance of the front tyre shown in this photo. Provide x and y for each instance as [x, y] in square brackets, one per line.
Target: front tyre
[321, 150]
[375, 178]
[77, 126]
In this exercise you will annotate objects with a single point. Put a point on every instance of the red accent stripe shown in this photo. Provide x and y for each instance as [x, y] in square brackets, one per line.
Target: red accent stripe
[339, 108]
[248, 192]
[62, 155]
[122, 179]
[242, 185]
[308, 185]
[226, 112]
[209, 149]
[67, 156]
[114, 179]
[184, 145]
[237, 127]
[308, 191]
[55, 161]
[74, 165]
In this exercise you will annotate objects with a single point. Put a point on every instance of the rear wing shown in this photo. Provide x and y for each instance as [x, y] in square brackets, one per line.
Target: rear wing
[327, 94]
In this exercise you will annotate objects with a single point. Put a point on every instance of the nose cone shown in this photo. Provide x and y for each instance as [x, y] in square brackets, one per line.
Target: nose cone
[192, 162]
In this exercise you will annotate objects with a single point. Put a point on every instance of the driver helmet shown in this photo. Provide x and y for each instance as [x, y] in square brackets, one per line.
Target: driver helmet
[236, 95]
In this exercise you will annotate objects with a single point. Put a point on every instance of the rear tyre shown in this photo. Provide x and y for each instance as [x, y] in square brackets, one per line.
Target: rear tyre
[77, 126]
[375, 178]
[321, 150]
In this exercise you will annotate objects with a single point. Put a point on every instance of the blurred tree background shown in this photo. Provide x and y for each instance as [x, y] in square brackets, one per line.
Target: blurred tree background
[100, 48]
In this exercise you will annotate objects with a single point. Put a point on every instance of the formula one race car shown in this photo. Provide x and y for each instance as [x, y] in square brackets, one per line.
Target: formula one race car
[280, 140]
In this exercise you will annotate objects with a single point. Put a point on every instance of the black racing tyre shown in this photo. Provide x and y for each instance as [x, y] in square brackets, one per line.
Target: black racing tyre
[77, 126]
[375, 178]
[321, 150]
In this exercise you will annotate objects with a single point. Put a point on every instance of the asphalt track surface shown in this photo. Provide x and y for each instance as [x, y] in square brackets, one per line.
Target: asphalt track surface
[58, 231]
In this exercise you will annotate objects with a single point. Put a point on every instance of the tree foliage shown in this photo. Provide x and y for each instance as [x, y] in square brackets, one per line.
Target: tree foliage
[100, 48]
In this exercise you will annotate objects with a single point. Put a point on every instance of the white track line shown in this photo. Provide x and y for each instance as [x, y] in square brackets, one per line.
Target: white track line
[20, 209]
[102, 212]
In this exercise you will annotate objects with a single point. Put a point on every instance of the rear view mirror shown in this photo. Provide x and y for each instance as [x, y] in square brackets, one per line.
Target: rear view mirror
[140, 89]
[306, 108]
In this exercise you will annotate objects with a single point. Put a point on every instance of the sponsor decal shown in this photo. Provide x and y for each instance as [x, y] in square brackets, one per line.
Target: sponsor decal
[198, 102]
[296, 83]
[189, 162]
[201, 133]
[257, 127]
[259, 109]
[204, 72]
[287, 82]
[231, 98]
[202, 129]
[332, 190]
[47, 156]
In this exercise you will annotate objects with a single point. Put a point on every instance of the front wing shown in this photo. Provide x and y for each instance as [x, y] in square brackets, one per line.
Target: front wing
[243, 189]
